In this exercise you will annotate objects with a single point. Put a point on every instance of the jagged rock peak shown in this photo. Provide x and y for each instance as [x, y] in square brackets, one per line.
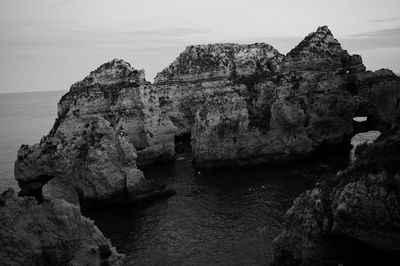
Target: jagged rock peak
[220, 60]
[321, 40]
[320, 51]
[114, 72]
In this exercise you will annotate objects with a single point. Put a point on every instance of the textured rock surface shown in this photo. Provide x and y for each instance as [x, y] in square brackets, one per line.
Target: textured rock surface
[242, 105]
[220, 61]
[204, 71]
[91, 146]
[361, 203]
[362, 138]
[301, 103]
[52, 233]
[380, 91]
[320, 51]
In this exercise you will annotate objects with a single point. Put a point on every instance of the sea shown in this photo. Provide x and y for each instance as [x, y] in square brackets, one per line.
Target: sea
[224, 217]
[24, 119]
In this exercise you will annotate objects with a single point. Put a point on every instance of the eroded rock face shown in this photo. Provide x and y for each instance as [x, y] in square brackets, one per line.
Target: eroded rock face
[303, 102]
[320, 51]
[220, 61]
[242, 105]
[361, 203]
[380, 91]
[52, 233]
[93, 146]
[205, 71]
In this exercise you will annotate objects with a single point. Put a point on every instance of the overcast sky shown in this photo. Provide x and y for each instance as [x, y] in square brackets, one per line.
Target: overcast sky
[50, 44]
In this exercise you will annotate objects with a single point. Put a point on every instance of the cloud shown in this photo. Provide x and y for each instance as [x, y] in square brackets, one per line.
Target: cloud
[36, 37]
[171, 32]
[384, 20]
[384, 38]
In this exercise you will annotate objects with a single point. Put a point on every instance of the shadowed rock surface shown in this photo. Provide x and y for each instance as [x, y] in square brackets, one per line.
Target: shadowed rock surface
[52, 233]
[360, 204]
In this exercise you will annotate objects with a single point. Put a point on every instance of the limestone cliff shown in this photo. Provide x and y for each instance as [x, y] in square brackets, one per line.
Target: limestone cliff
[204, 71]
[303, 102]
[320, 51]
[52, 233]
[242, 105]
[93, 146]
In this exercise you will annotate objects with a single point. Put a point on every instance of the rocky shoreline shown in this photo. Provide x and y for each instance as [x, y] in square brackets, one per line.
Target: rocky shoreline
[360, 203]
[240, 105]
[51, 233]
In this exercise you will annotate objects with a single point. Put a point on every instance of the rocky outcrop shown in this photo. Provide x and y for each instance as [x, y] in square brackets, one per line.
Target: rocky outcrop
[360, 204]
[205, 71]
[101, 128]
[380, 94]
[242, 105]
[303, 102]
[52, 233]
[320, 51]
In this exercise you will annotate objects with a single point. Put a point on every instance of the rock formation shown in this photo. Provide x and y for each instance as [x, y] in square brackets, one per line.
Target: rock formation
[241, 104]
[360, 204]
[89, 154]
[378, 94]
[281, 114]
[52, 233]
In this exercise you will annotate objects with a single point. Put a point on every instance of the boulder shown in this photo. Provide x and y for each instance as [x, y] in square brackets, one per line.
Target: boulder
[52, 233]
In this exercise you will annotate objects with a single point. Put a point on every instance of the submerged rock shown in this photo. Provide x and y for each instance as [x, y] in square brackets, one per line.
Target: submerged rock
[52, 233]
[360, 204]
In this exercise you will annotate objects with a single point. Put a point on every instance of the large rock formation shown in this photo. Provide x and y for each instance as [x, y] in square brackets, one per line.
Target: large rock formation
[242, 105]
[360, 204]
[90, 155]
[205, 71]
[52, 233]
[281, 114]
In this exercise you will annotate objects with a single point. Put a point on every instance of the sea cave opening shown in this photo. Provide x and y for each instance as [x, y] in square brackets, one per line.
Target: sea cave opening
[182, 143]
[34, 188]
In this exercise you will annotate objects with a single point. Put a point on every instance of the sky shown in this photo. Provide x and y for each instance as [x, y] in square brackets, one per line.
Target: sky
[51, 44]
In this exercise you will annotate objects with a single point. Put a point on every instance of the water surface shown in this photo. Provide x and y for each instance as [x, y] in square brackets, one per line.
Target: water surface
[24, 119]
[229, 217]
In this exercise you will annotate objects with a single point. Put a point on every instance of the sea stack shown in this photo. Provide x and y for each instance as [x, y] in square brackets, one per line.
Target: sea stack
[89, 155]
[239, 104]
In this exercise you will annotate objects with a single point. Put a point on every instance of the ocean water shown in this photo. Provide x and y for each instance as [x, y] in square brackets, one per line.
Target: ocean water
[226, 217]
[24, 119]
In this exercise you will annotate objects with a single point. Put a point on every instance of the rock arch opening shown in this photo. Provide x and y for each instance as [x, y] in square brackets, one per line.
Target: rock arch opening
[183, 143]
[34, 187]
